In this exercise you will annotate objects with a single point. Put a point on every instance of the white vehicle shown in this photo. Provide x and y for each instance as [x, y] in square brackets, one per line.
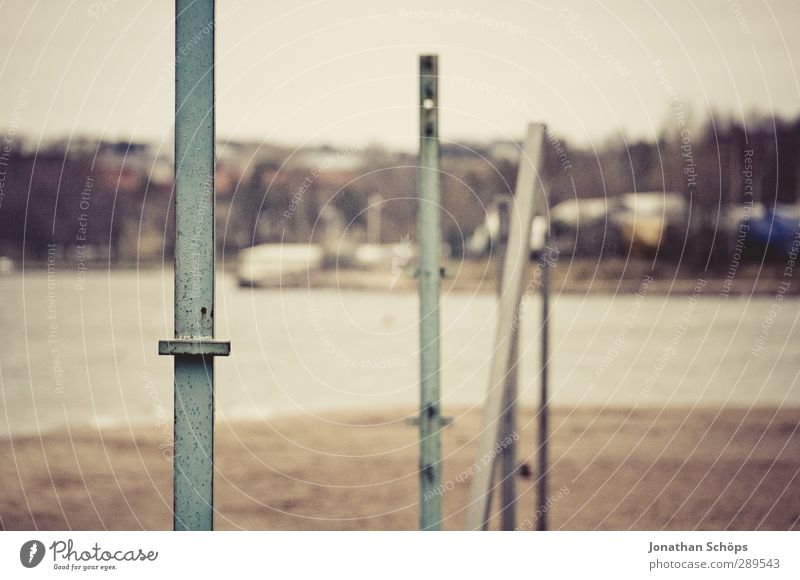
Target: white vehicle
[273, 264]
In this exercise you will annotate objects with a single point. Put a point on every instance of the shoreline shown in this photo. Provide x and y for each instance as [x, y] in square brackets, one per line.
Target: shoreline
[611, 469]
[480, 277]
[145, 423]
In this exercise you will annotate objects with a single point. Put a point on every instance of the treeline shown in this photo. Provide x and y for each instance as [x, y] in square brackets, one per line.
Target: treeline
[115, 207]
[81, 206]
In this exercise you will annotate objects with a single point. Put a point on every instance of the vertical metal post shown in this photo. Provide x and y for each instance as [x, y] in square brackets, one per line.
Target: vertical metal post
[508, 456]
[429, 237]
[194, 346]
[544, 411]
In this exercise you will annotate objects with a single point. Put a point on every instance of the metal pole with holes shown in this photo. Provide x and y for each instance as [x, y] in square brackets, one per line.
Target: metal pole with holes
[429, 237]
[194, 347]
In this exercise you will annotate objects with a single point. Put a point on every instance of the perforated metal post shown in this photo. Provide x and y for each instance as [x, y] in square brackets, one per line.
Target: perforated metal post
[429, 238]
[194, 347]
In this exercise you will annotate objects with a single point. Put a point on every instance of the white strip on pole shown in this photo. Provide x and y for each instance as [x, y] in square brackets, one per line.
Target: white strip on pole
[515, 269]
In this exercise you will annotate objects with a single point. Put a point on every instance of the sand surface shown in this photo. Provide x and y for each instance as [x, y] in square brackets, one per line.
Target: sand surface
[611, 469]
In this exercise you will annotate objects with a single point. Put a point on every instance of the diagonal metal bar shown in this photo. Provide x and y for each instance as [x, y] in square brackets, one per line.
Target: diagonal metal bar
[508, 432]
[193, 346]
[515, 268]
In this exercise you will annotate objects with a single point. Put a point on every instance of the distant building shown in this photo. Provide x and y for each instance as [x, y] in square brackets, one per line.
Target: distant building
[507, 151]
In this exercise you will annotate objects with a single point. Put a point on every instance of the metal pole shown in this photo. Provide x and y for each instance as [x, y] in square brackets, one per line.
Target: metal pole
[544, 412]
[429, 236]
[194, 346]
[508, 456]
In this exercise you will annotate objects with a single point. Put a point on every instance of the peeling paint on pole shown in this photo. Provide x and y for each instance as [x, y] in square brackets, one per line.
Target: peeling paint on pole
[429, 238]
[194, 346]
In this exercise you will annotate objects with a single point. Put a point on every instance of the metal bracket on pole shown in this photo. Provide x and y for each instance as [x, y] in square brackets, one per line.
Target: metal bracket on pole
[515, 269]
[430, 274]
[414, 421]
[194, 347]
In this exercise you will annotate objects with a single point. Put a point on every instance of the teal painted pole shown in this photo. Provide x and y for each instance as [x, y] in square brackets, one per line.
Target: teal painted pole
[429, 241]
[194, 346]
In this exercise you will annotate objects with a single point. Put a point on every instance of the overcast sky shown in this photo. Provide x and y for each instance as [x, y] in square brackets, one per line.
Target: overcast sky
[345, 71]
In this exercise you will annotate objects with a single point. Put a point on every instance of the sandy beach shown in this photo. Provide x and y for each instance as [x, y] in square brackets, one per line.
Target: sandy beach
[612, 469]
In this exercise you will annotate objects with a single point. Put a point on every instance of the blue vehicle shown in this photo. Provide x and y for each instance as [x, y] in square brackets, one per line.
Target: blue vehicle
[776, 231]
